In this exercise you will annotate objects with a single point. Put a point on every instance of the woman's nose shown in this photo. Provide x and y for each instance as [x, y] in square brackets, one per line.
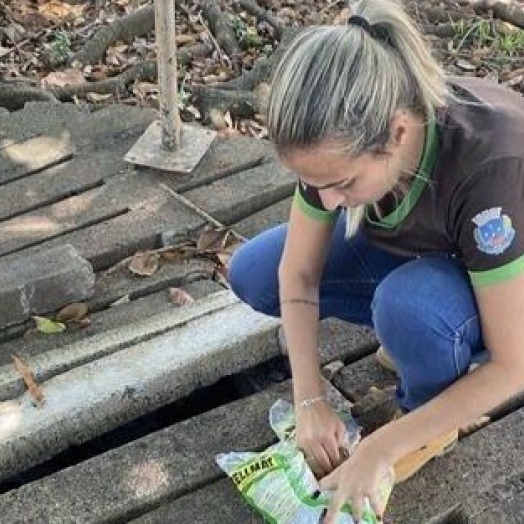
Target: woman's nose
[331, 198]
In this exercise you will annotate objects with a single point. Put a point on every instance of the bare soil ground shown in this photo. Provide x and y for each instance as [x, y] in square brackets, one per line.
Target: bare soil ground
[99, 52]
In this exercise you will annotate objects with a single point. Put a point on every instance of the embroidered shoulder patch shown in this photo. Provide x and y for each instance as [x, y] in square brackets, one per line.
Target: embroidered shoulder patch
[494, 232]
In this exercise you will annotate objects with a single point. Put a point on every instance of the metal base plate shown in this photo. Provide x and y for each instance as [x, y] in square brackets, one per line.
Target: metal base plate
[148, 151]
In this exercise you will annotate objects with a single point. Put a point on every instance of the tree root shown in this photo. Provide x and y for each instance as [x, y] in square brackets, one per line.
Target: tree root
[511, 12]
[143, 72]
[118, 85]
[241, 104]
[263, 67]
[14, 96]
[137, 23]
[262, 15]
[222, 30]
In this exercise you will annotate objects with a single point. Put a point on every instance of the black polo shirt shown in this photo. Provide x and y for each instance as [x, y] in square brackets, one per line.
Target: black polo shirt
[468, 198]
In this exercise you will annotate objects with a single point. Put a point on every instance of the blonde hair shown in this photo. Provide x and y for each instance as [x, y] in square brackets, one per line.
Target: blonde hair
[340, 83]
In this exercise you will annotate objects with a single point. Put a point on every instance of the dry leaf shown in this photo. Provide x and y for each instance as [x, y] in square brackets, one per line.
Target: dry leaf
[144, 264]
[73, 312]
[96, 97]
[213, 239]
[27, 375]
[48, 326]
[64, 78]
[122, 300]
[55, 10]
[180, 297]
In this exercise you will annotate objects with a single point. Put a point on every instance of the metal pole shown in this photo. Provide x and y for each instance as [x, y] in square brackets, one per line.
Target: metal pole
[167, 74]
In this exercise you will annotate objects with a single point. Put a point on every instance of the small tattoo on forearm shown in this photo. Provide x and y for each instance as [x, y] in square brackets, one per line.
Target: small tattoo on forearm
[300, 301]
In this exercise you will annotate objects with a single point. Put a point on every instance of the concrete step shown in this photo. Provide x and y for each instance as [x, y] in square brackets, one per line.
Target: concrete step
[129, 372]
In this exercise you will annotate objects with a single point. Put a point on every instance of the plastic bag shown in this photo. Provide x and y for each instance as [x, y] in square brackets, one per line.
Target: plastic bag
[279, 484]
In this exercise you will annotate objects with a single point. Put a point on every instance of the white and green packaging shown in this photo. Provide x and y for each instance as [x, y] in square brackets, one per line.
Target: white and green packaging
[278, 482]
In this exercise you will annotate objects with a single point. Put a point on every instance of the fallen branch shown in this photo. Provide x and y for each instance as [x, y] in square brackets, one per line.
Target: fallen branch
[137, 23]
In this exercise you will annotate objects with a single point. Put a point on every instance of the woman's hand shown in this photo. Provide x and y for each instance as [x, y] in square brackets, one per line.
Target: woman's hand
[367, 473]
[320, 435]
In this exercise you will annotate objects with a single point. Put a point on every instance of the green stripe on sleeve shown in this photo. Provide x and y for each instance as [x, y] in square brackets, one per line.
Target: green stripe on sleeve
[313, 212]
[497, 275]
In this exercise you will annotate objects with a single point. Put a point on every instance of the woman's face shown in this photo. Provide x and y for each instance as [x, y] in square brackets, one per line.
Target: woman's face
[367, 178]
[343, 181]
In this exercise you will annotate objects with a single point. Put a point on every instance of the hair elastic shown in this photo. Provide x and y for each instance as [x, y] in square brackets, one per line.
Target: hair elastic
[374, 30]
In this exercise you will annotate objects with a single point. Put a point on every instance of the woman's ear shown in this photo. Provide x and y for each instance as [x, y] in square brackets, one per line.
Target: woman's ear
[399, 128]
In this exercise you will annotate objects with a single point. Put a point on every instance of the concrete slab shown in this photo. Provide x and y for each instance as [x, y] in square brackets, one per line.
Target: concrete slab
[52, 362]
[92, 399]
[433, 496]
[118, 195]
[136, 478]
[479, 461]
[32, 343]
[225, 157]
[49, 280]
[108, 242]
[355, 380]
[111, 287]
[33, 154]
[233, 198]
[37, 118]
[502, 503]
[339, 340]
[61, 181]
[217, 503]
[89, 131]
[267, 218]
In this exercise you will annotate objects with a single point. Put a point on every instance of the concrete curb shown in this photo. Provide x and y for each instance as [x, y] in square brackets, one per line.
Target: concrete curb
[99, 396]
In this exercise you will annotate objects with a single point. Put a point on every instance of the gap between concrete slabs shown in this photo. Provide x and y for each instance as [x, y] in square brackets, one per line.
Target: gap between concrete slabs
[138, 477]
[97, 397]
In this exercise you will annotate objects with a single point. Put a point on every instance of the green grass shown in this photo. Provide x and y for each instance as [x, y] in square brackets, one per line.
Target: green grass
[506, 43]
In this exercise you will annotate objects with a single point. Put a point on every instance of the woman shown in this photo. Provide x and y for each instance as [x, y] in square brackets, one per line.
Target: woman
[408, 217]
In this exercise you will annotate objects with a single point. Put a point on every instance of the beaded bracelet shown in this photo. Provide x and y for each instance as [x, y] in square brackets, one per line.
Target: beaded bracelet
[309, 401]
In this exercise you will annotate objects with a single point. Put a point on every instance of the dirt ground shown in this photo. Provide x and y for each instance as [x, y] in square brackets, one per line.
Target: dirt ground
[97, 53]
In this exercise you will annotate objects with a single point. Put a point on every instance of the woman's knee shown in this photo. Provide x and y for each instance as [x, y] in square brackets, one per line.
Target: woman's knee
[424, 299]
[253, 271]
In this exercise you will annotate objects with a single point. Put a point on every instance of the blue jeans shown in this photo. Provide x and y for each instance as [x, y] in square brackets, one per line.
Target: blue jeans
[422, 309]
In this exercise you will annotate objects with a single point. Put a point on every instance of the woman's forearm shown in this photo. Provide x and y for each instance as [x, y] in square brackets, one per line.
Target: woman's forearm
[299, 303]
[460, 405]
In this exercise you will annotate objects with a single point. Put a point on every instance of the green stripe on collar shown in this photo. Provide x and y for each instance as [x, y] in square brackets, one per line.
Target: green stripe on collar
[429, 157]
